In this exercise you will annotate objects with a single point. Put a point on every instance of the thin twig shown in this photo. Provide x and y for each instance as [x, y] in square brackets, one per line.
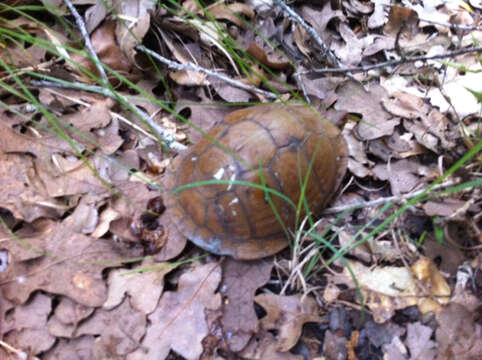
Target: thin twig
[73, 86]
[301, 85]
[190, 66]
[88, 44]
[452, 26]
[332, 59]
[112, 114]
[397, 62]
[394, 198]
[163, 134]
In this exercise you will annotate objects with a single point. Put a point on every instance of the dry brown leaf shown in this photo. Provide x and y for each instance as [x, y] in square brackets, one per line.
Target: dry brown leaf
[319, 19]
[229, 12]
[105, 45]
[375, 122]
[229, 92]
[321, 88]
[136, 21]
[22, 191]
[75, 177]
[268, 57]
[179, 322]
[176, 242]
[287, 315]
[301, 38]
[95, 14]
[23, 54]
[42, 146]
[403, 175]
[419, 343]
[334, 346]
[389, 288]
[144, 288]
[427, 124]
[68, 314]
[27, 244]
[406, 105]
[189, 78]
[458, 335]
[202, 116]
[381, 334]
[264, 346]
[456, 90]
[72, 265]
[74, 349]
[443, 207]
[123, 210]
[118, 331]
[358, 162]
[349, 49]
[240, 281]
[85, 217]
[94, 127]
[27, 329]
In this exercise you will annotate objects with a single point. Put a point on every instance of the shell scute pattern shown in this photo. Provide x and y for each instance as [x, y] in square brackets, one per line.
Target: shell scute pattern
[237, 220]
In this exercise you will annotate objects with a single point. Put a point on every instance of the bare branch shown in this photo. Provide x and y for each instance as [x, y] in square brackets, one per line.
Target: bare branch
[163, 134]
[394, 198]
[408, 59]
[88, 44]
[452, 26]
[190, 66]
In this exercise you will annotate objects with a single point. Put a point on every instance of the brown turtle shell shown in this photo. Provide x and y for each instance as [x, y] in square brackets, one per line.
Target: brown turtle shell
[235, 219]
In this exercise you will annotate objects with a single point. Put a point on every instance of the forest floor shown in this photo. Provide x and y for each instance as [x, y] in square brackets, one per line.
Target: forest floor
[98, 97]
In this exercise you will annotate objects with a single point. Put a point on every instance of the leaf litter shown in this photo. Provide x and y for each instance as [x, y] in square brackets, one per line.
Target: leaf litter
[92, 269]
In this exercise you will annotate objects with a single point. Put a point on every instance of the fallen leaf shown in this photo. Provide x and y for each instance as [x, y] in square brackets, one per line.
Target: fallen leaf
[22, 192]
[179, 322]
[131, 31]
[264, 346]
[419, 343]
[231, 12]
[334, 346]
[67, 315]
[458, 335]
[107, 49]
[461, 100]
[403, 175]
[119, 331]
[71, 264]
[376, 122]
[287, 315]
[144, 288]
[389, 288]
[75, 349]
[28, 327]
[240, 281]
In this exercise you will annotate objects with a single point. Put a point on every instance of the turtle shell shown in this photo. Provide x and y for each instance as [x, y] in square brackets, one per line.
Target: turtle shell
[277, 146]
